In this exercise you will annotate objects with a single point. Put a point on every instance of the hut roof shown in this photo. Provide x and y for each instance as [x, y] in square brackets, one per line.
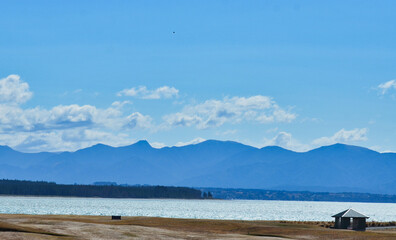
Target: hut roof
[350, 213]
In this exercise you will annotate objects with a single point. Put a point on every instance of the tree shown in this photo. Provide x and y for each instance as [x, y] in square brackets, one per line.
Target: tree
[205, 195]
[210, 196]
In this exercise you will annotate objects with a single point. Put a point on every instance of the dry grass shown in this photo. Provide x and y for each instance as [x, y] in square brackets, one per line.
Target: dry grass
[281, 229]
[8, 227]
[381, 224]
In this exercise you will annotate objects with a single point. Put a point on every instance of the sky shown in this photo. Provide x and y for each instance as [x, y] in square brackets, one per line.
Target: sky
[296, 74]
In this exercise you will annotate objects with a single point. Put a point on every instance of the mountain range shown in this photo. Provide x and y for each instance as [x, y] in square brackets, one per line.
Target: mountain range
[221, 164]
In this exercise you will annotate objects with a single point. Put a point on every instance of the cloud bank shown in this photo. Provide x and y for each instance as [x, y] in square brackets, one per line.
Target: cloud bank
[343, 136]
[214, 113]
[62, 127]
[142, 92]
[286, 140]
[74, 126]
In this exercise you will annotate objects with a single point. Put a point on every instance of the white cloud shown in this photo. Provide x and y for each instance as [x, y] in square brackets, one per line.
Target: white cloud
[13, 90]
[14, 118]
[178, 144]
[158, 145]
[144, 93]
[194, 141]
[118, 104]
[70, 116]
[283, 139]
[139, 120]
[66, 140]
[343, 136]
[286, 140]
[384, 87]
[214, 113]
[382, 149]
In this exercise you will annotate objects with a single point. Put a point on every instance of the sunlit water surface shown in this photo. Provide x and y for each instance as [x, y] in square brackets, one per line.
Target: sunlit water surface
[205, 209]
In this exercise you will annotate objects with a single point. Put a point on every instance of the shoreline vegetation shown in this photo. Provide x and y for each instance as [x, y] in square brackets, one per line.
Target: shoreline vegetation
[41, 188]
[112, 190]
[18, 226]
[261, 194]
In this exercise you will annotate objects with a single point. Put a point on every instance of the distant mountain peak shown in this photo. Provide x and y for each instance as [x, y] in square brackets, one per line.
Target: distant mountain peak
[218, 142]
[6, 150]
[341, 148]
[5, 147]
[275, 148]
[97, 147]
[101, 145]
[340, 145]
[142, 143]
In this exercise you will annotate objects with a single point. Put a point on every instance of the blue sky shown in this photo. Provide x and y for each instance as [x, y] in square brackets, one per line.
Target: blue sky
[298, 74]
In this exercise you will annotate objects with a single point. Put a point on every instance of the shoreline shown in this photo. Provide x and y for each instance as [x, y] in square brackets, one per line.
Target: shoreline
[192, 199]
[26, 188]
[193, 209]
[22, 226]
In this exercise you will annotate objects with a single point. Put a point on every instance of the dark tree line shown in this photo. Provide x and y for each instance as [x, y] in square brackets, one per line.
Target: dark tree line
[207, 195]
[40, 188]
[257, 194]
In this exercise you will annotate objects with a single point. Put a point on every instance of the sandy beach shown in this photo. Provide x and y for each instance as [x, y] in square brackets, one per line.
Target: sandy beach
[102, 227]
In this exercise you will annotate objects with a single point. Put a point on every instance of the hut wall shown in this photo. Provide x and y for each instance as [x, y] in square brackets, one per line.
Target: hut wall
[359, 224]
[337, 223]
[345, 223]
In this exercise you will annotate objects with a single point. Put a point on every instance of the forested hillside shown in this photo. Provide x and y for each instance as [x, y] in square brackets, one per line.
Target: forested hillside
[30, 188]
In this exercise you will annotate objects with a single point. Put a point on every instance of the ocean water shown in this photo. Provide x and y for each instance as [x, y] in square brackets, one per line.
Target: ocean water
[205, 209]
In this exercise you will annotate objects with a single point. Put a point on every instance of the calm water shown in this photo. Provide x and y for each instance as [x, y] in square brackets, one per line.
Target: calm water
[207, 209]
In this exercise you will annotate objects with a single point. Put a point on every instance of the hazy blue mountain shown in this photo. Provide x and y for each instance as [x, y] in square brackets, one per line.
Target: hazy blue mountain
[14, 158]
[212, 163]
[337, 167]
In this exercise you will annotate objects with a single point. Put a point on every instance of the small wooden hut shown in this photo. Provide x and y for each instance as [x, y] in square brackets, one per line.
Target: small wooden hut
[350, 219]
